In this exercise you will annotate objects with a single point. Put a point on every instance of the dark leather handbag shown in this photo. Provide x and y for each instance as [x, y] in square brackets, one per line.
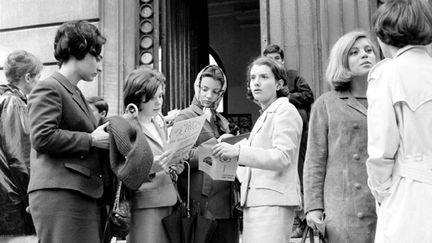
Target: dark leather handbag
[118, 222]
[309, 231]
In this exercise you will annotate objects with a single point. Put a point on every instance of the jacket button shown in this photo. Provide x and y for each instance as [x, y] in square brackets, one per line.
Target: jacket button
[82, 157]
[360, 215]
[100, 176]
[356, 156]
[357, 186]
[356, 126]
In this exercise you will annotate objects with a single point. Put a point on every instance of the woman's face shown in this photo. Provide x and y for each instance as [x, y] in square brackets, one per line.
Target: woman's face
[264, 85]
[89, 66]
[361, 57]
[154, 105]
[210, 91]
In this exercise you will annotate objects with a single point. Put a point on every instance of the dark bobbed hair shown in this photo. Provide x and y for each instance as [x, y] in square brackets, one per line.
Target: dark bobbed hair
[19, 63]
[77, 38]
[404, 22]
[141, 85]
[278, 71]
[273, 48]
[99, 103]
[213, 71]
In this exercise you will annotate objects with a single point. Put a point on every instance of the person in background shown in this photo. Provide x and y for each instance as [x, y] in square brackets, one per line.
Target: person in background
[153, 200]
[99, 107]
[270, 186]
[335, 179]
[301, 97]
[22, 70]
[214, 196]
[399, 122]
[67, 176]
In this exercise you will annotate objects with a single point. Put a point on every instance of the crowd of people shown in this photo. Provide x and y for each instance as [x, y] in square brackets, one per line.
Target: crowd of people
[354, 165]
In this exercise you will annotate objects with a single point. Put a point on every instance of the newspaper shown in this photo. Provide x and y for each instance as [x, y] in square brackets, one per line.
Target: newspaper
[218, 169]
[183, 136]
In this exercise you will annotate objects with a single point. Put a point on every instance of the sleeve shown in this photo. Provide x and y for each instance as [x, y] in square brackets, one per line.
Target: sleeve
[16, 141]
[315, 165]
[302, 95]
[383, 133]
[284, 145]
[45, 111]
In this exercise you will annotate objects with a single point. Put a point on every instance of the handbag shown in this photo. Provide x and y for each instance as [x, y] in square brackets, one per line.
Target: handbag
[118, 222]
[310, 231]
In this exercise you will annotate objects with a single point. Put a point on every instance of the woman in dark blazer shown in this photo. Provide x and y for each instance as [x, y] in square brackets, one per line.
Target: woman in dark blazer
[210, 195]
[66, 174]
[335, 179]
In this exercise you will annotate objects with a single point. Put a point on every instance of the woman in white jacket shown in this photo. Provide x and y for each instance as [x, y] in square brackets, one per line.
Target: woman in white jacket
[399, 122]
[270, 187]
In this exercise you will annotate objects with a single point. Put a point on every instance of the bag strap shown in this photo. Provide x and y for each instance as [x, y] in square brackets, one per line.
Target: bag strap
[117, 196]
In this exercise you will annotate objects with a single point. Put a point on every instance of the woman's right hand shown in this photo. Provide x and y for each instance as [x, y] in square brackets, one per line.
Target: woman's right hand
[161, 162]
[314, 218]
[100, 138]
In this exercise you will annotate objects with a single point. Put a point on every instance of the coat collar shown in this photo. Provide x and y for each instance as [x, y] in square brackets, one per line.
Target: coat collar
[351, 101]
[407, 48]
[76, 95]
[161, 131]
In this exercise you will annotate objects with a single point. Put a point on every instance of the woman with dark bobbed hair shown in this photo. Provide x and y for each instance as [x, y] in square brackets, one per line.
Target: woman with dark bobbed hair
[270, 185]
[399, 122]
[66, 179]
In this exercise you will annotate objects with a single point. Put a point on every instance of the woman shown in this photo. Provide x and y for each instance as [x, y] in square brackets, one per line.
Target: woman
[209, 195]
[335, 180]
[66, 178]
[270, 187]
[399, 122]
[22, 70]
[153, 201]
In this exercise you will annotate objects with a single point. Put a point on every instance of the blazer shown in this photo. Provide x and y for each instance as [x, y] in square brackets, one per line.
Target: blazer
[214, 195]
[270, 176]
[334, 177]
[60, 125]
[160, 191]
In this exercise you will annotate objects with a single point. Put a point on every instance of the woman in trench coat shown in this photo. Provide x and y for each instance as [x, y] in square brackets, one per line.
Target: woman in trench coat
[399, 120]
[335, 179]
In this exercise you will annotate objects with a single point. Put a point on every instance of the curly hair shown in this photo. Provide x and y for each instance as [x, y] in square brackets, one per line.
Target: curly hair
[77, 39]
[19, 63]
[278, 71]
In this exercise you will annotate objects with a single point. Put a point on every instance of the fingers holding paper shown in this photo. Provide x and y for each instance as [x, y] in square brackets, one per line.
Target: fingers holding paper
[226, 151]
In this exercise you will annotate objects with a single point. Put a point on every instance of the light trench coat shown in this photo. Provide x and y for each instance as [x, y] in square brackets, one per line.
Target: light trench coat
[400, 145]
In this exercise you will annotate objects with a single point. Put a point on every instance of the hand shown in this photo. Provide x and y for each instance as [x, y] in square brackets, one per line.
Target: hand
[161, 162]
[224, 136]
[313, 218]
[100, 138]
[179, 167]
[226, 151]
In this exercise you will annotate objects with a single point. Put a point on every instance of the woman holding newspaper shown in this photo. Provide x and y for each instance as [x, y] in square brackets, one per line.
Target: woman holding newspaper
[153, 201]
[270, 187]
[213, 198]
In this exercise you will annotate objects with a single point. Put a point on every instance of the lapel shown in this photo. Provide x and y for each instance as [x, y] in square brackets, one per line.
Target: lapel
[352, 102]
[76, 95]
[161, 133]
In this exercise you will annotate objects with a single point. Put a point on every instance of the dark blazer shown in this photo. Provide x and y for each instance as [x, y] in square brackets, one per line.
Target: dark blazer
[60, 127]
[214, 195]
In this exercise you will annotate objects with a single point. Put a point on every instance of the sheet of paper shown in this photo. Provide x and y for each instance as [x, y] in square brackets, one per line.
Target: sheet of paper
[224, 170]
[183, 136]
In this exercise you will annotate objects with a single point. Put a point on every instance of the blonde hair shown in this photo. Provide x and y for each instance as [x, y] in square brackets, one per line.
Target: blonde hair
[338, 73]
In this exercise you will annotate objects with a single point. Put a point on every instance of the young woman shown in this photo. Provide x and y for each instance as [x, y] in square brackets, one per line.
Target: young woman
[22, 71]
[399, 122]
[66, 178]
[212, 196]
[270, 186]
[335, 179]
[153, 201]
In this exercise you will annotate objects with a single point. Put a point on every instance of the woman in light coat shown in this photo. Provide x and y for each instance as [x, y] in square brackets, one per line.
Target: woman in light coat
[153, 201]
[399, 122]
[270, 186]
[335, 179]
